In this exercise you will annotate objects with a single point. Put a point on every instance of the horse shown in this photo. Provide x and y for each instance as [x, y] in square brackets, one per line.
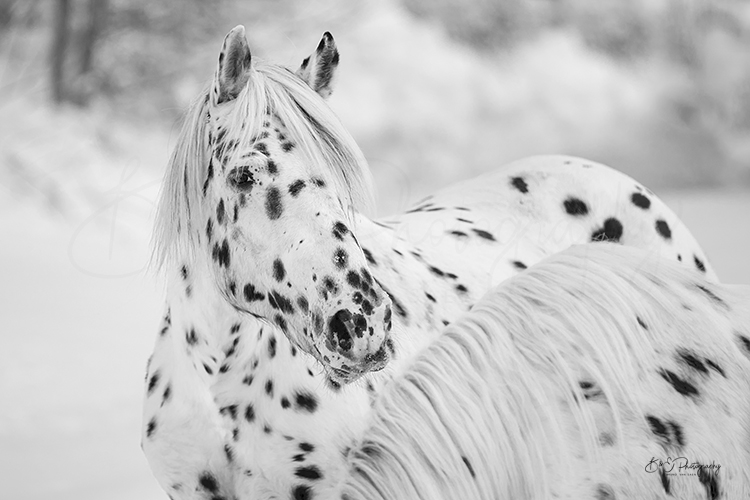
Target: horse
[600, 373]
[288, 309]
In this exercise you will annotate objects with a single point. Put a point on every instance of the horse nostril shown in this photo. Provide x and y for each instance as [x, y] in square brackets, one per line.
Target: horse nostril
[340, 331]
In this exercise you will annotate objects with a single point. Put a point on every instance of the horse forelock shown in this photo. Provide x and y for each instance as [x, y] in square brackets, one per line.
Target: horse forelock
[310, 123]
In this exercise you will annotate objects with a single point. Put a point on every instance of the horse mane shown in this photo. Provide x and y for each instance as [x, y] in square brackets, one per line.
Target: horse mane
[310, 123]
[477, 414]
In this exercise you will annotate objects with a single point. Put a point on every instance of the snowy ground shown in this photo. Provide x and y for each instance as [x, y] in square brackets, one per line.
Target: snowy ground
[80, 314]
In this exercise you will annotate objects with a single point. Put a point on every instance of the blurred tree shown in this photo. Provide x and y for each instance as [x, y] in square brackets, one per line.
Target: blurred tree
[73, 48]
[60, 39]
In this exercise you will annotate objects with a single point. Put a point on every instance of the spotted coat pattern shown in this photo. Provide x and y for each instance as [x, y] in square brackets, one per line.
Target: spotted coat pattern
[235, 409]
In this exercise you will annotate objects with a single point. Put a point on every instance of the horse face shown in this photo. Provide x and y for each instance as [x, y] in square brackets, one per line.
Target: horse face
[278, 233]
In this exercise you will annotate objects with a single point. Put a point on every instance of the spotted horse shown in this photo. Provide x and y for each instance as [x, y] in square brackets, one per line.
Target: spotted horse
[288, 309]
[601, 373]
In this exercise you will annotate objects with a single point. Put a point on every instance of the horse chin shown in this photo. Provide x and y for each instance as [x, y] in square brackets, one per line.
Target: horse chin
[336, 378]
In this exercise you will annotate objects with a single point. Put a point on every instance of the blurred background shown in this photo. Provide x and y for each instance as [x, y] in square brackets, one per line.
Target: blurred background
[91, 92]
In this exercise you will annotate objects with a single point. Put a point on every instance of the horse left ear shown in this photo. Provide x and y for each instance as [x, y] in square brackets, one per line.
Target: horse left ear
[317, 69]
[233, 71]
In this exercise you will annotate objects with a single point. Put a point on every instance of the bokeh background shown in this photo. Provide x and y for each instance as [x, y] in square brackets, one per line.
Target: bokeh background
[91, 92]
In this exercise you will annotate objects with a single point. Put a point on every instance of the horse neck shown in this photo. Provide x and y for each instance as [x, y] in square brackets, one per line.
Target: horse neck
[201, 322]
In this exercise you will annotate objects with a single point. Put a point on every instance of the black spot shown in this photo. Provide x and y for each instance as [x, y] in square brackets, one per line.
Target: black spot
[295, 187]
[208, 369]
[285, 402]
[692, 361]
[251, 294]
[369, 257]
[301, 492]
[664, 481]
[302, 303]
[468, 466]
[230, 410]
[272, 346]
[209, 228]
[640, 201]
[153, 382]
[278, 270]
[267, 429]
[340, 230]
[209, 175]
[221, 253]
[248, 380]
[233, 288]
[658, 428]
[604, 492]
[367, 307]
[307, 447]
[352, 277]
[436, 271]
[744, 342]
[310, 472]
[576, 207]
[305, 401]
[330, 284]
[663, 229]
[191, 337]
[712, 296]
[715, 367]
[458, 234]
[640, 322]
[229, 453]
[611, 231]
[220, 212]
[287, 146]
[519, 265]
[461, 288]
[699, 264]
[300, 457]
[273, 203]
[250, 413]
[677, 433]
[151, 427]
[484, 234]
[166, 395]
[269, 387]
[520, 184]
[430, 297]
[340, 258]
[208, 482]
[682, 386]
[271, 166]
[318, 182]
[710, 481]
[261, 148]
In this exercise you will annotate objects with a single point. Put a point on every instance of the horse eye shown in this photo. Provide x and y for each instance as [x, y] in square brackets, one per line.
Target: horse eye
[241, 178]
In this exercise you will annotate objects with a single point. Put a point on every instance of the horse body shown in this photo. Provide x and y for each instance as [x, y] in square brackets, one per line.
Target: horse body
[239, 403]
[601, 373]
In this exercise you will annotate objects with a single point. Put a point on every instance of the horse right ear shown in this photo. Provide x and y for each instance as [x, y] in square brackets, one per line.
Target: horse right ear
[317, 70]
[233, 70]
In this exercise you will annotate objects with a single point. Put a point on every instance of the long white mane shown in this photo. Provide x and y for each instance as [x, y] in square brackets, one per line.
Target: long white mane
[483, 411]
[310, 123]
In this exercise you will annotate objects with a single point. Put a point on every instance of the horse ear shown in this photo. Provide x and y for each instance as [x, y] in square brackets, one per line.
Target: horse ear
[233, 71]
[318, 68]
